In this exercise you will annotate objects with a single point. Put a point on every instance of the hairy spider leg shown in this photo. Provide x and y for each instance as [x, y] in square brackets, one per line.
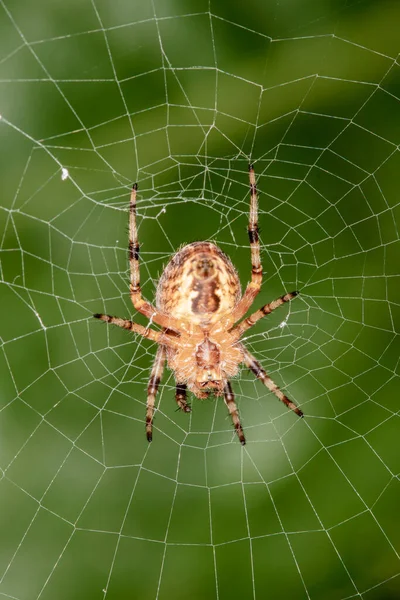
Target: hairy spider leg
[180, 397]
[229, 398]
[240, 328]
[254, 286]
[259, 372]
[147, 332]
[154, 382]
[138, 301]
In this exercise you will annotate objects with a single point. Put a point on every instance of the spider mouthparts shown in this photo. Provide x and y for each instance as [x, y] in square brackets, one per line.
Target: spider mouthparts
[210, 384]
[135, 186]
[251, 166]
[97, 316]
[149, 437]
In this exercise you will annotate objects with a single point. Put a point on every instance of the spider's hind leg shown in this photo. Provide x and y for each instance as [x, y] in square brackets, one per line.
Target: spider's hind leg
[229, 398]
[180, 397]
[259, 372]
[154, 382]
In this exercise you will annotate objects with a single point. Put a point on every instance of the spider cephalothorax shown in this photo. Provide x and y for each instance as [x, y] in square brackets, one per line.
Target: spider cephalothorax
[198, 306]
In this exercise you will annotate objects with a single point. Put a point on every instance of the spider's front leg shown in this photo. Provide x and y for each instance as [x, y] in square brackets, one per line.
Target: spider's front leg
[138, 301]
[254, 286]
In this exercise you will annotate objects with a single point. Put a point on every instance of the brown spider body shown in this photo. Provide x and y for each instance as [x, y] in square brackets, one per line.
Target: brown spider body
[205, 361]
[200, 287]
[198, 306]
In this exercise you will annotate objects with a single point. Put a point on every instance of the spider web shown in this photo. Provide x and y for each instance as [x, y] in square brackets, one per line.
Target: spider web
[180, 96]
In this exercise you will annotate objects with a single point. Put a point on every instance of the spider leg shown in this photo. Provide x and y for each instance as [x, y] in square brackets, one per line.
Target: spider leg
[154, 382]
[240, 328]
[138, 301]
[180, 397]
[151, 334]
[259, 372]
[256, 269]
[229, 398]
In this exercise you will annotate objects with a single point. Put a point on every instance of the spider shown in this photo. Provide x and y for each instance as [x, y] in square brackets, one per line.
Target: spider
[198, 306]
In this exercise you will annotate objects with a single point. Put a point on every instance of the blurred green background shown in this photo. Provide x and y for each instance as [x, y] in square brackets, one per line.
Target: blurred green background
[180, 95]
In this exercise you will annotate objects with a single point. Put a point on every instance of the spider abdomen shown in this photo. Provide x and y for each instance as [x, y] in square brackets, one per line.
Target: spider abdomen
[199, 284]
